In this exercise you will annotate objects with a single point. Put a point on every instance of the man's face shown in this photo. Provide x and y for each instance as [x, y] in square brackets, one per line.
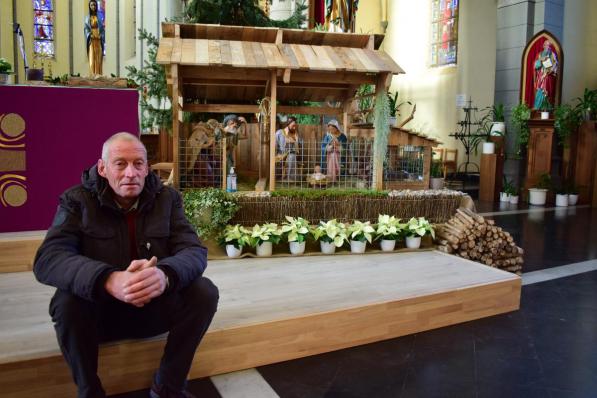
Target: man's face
[125, 169]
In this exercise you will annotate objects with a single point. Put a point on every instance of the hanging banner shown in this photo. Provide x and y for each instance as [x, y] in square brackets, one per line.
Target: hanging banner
[48, 136]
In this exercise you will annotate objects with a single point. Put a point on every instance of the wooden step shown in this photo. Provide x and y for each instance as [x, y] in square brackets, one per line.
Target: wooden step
[270, 310]
[17, 250]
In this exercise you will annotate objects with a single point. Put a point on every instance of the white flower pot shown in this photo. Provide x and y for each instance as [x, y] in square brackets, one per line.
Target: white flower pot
[514, 199]
[4, 78]
[562, 200]
[504, 197]
[296, 248]
[436, 183]
[413, 242]
[327, 248]
[358, 246]
[544, 115]
[264, 249]
[488, 147]
[232, 251]
[537, 196]
[572, 199]
[392, 120]
[498, 128]
[387, 245]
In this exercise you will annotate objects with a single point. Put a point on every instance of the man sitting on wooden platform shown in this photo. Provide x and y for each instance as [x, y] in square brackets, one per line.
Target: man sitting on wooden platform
[126, 264]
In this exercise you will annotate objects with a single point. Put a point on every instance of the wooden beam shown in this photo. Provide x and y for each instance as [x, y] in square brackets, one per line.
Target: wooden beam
[286, 78]
[227, 73]
[272, 129]
[279, 37]
[223, 82]
[334, 77]
[371, 43]
[321, 85]
[220, 108]
[303, 76]
[309, 110]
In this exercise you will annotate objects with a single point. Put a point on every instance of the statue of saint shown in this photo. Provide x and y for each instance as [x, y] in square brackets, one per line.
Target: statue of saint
[544, 77]
[96, 38]
[235, 128]
[287, 147]
[332, 147]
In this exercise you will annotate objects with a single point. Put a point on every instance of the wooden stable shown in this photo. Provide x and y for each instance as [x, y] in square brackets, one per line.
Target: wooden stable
[228, 69]
[270, 310]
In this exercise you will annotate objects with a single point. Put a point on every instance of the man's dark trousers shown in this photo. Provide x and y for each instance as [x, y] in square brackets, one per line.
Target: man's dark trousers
[81, 325]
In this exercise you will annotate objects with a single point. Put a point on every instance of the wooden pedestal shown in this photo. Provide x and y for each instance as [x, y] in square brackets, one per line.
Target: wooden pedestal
[487, 179]
[539, 149]
[584, 161]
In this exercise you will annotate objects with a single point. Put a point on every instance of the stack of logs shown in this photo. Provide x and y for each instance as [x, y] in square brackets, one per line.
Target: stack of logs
[471, 236]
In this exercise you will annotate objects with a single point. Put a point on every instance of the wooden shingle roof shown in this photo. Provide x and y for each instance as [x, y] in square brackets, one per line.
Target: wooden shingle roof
[272, 48]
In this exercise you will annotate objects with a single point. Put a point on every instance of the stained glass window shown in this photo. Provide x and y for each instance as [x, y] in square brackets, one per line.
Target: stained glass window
[43, 28]
[444, 32]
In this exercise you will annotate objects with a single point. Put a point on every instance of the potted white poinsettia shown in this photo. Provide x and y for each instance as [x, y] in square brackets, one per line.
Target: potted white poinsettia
[359, 234]
[330, 235]
[296, 230]
[234, 238]
[388, 231]
[415, 229]
[263, 237]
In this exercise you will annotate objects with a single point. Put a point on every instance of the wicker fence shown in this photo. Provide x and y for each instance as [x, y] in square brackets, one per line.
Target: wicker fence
[435, 208]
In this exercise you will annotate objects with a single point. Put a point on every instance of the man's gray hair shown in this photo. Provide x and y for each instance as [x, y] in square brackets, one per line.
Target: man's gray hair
[120, 137]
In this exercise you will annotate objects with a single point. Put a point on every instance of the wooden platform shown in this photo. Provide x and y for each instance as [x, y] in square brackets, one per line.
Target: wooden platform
[18, 250]
[270, 310]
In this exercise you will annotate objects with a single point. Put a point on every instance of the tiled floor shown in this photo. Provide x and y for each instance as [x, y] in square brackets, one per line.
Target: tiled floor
[547, 349]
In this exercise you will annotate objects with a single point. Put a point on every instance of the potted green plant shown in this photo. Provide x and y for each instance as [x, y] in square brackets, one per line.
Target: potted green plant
[263, 237]
[545, 109]
[538, 193]
[498, 116]
[572, 191]
[295, 230]
[436, 179]
[567, 120]
[234, 238]
[359, 234]
[512, 193]
[521, 114]
[388, 231]
[492, 124]
[5, 68]
[587, 104]
[561, 196]
[330, 234]
[415, 229]
[209, 210]
[395, 107]
[504, 195]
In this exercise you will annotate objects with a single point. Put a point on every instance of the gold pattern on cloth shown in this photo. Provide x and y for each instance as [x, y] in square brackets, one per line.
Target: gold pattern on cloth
[95, 48]
[13, 192]
[12, 125]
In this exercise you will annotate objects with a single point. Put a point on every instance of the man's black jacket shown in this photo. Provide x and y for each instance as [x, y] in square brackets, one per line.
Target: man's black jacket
[89, 238]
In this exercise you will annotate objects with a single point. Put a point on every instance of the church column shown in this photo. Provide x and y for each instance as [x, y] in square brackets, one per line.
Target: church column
[517, 22]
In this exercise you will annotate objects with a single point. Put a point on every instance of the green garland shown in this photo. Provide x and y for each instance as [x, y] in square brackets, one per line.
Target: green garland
[209, 210]
[151, 81]
[382, 130]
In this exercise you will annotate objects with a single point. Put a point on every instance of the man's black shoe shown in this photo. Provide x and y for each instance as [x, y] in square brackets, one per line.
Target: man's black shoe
[161, 391]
